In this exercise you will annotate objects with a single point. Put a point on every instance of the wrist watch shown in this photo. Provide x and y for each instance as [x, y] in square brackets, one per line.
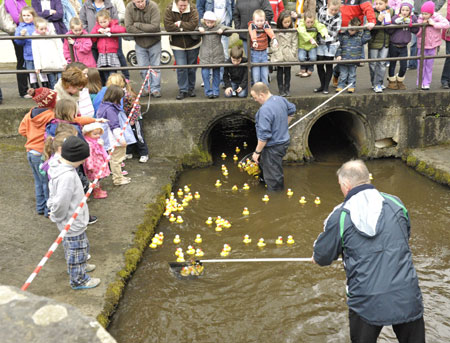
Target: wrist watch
[257, 152]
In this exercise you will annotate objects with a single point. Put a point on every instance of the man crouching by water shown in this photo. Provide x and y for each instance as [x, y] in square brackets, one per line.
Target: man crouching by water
[371, 230]
[272, 131]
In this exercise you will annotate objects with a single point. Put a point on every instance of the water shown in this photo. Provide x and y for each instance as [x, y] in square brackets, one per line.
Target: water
[277, 302]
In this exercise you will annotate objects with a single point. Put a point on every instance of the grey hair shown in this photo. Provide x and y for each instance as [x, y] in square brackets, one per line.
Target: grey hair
[354, 172]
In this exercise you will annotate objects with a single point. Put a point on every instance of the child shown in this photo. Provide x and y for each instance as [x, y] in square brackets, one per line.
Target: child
[107, 46]
[330, 16]
[98, 156]
[47, 53]
[307, 44]
[432, 40]
[379, 45]
[66, 193]
[82, 47]
[445, 77]
[110, 109]
[211, 52]
[398, 44]
[351, 47]
[285, 52]
[94, 84]
[235, 79]
[33, 128]
[260, 42]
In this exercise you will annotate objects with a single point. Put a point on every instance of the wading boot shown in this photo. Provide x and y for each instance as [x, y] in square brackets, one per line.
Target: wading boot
[392, 82]
[400, 84]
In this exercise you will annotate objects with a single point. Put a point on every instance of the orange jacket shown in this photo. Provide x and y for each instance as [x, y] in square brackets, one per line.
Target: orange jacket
[34, 128]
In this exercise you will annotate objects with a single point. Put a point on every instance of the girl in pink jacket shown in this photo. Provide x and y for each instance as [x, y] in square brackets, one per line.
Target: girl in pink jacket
[432, 40]
[82, 46]
[445, 77]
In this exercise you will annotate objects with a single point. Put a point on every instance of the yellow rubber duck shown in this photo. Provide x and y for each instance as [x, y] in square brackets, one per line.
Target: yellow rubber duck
[172, 195]
[189, 196]
[237, 150]
[246, 186]
[196, 195]
[226, 247]
[198, 239]
[167, 212]
[224, 156]
[181, 258]
[219, 220]
[199, 253]
[218, 228]
[279, 240]
[209, 221]
[370, 176]
[190, 250]
[185, 271]
[317, 201]
[245, 212]
[185, 203]
[225, 173]
[290, 240]
[226, 224]
[180, 208]
[234, 188]
[245, 145]
[261, 243]
[186, 189]
[224, 253]
[247, 239]
[302, 200]
[218, 183]
[224, 167]
[289, 192]
[265, 198]
[180, 192]
[180, 220]
[172, 218]
[235, 158]
[153, 245]
[177, 239]
[178, 251]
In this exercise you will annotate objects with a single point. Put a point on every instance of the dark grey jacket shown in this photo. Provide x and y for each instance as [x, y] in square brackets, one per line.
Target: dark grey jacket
[243, 13]
[371, 230]
[88, 13]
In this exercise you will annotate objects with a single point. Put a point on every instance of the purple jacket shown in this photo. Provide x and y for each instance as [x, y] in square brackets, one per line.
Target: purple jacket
[56, 19]
[110, 111]
[402, 37]
[13, 7]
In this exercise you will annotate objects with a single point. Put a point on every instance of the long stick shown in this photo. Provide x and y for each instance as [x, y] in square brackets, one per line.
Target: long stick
[322, 104]
[280, 259]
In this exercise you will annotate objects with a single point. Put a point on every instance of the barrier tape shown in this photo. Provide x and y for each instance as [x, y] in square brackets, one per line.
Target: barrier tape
[63, 233]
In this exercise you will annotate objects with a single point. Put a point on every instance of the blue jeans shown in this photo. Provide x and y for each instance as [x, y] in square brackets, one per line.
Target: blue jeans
[206, 75]
[150, 57]
[40, 183]
[260, 73]
[235, 86]
[304, 55]
[377, 69]
[53, 78]
[445, 77]
[186, 77]
[347, 75]
[413, 51]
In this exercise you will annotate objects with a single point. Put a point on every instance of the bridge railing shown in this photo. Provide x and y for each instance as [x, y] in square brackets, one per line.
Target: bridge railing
[249, 64]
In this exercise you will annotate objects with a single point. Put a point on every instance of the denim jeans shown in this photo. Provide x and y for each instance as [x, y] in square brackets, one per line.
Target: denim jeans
[304, 55]
[413, 52]
[206, 76]
[260, 73]
[347, 75]
[395, 51]
[445, 77]
[186, 77]
[235, 86]
[40, 183]
[53, 78]
[377, 69]
[150, 57]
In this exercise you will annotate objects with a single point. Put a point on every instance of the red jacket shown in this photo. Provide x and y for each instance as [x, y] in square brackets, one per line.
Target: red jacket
[357, 8]
[108, 45]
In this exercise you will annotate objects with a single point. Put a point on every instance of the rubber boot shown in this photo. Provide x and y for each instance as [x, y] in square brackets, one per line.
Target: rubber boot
[392, 82]
[287, 89]
[97, 193]
[335, 81]
[400, 84]
[34, 85]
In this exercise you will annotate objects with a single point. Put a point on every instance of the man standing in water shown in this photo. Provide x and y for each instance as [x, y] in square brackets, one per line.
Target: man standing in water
[272, 131]
[371, 230]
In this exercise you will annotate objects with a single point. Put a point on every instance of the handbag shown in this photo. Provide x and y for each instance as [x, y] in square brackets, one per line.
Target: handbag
[7, 23]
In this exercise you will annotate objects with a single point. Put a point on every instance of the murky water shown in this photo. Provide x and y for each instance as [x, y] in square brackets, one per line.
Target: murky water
[277, 302]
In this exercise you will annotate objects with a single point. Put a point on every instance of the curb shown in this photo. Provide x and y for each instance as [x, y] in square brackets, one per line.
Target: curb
[427, 169]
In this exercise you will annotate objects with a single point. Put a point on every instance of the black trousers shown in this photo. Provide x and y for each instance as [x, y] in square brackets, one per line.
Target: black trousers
[284, 78]
[141, 145]
[271, 164]
[22, 79]
[363, 332]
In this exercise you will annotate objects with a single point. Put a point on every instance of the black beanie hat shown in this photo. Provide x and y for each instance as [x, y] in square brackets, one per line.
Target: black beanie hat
[74, 149]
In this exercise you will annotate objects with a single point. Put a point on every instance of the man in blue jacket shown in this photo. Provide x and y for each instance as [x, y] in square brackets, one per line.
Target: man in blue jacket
[272, 130]
[371, 230]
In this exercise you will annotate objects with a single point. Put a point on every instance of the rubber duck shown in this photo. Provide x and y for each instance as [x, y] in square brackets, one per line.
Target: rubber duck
[167, 212]
[247, 239]
[245, 145]
[246, 186]
[317, 201]
[224, 167]
[190, 250]
[225, 173]
[209, 221]
[240, 166]
[289, 192]
[279, 240]
[235, 158]
[219, 220]
[290, 240]
[189, 196]
[181, 258]
[226, 247]
[172, 218]
[224, 156]
[245, 212]
[226, 224]
[218, 228]
[172, 195]
[198, 239]
[186, 189]
[370, 176]
[178, 251]
[177, 239]
[180, 220]
[180, 192]
[185, 271]
[224, 253]
[265, 198]
[302, 200]
[185, 203]
[196, 195]
[237, 150]
[234, 188]
[218, 183]
[180, 208]
[261, 243]
[199, 253]
[153, 245]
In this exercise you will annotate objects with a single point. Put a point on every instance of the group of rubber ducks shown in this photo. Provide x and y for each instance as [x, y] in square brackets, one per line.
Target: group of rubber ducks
[157, 240]
[194, 269]
[221, 223]
[261, 243]
[172, 204]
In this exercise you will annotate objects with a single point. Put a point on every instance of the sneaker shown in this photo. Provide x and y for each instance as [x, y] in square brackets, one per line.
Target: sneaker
[378, 89]
[156, 94]
[92, 283]
[338, 89]
[143, 159]
[128, 156]
[426, 87]
[181, 95]
[351, 90]
[124, 172]
[202, 85]
[122, 164]
[445, 85]
[92, 220]
[88, 257]
[27, 96]
[123, 181]
[191, 93]
[90, 267]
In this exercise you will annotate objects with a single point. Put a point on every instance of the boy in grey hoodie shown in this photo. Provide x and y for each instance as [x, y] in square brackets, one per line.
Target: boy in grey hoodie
[66, 193]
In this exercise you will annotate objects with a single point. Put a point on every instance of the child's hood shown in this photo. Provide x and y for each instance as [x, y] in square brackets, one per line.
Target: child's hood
[58, 169]
[41, 116]
[106, 105]
[215, 27]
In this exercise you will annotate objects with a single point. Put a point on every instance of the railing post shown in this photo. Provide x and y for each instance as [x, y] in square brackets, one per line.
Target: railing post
[422, 54]
[249, 64]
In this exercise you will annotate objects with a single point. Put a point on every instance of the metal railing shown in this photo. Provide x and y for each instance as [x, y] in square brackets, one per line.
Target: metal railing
[249, 64]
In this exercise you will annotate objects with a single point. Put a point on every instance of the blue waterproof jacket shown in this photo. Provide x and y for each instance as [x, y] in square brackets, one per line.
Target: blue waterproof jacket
[26, 43]
[208, 5]
[371, 230]
[351, 46]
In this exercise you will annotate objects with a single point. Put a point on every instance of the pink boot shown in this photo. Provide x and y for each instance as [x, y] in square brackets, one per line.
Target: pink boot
[97, 193]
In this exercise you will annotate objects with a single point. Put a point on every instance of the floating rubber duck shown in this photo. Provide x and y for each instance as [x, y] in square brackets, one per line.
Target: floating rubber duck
[185, 203]
[261, 243]
[190, 250]
[234, 188]
[290, 240]
[224, 167]
[179, 220]
[235, 158]
[167, 212]
[245, 212]
[153, 245]
[226, 224]
[302, 200]
[172, 218]
[198, 239]
[218, 183]
[218, 228]
[180, 192]
[289, 192]
[237, 150]
[172, 195]
[209, 221]
[317, 201]
[370, 176]
[177, 239]
[196, 195]
[246, 187]
[178, 251]
[189, 197]
[180, 208]
[224, 253]
[240, 166]
[245, 145]
[199, 253]
[265, 198]
[247, 239]
[186, 189]
[227, 247]
[219, 220]
[279, 240]
[224, 156]
[225, 173]
[181, 258]
[185, 271]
